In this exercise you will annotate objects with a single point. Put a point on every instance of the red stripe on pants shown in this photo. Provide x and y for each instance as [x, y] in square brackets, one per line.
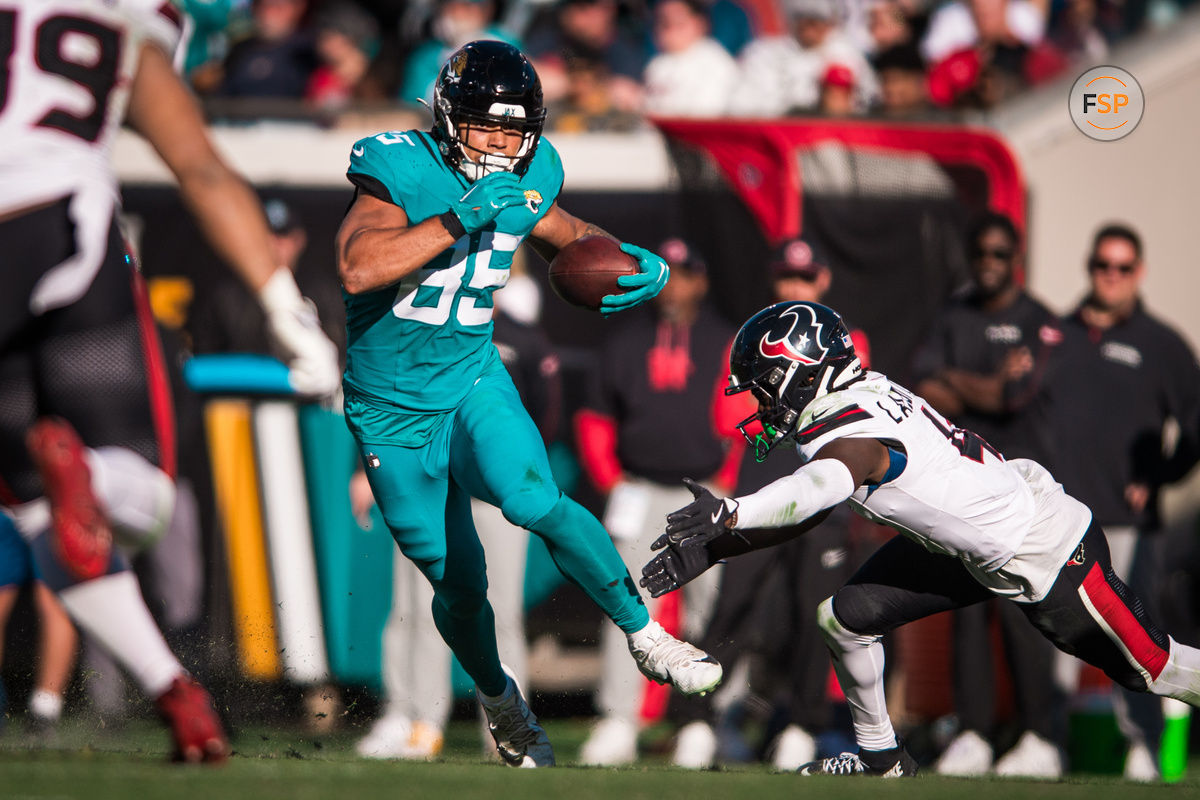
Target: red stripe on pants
[161, 408]
[1112, 610]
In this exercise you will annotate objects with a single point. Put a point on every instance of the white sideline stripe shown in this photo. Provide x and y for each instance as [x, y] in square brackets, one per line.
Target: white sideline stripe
[290, 544]
[1112, 634]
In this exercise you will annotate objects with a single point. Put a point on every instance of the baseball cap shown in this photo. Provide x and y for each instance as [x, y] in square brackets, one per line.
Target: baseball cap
[954, 76]
[280, 218]
[838, 75]
[795, 259]
[679, 254]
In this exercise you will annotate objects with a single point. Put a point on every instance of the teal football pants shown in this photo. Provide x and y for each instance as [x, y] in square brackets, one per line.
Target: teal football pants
[491, 449]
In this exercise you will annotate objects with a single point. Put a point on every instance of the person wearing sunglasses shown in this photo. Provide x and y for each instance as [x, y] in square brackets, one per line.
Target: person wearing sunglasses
[1120, 375]
[982, 367]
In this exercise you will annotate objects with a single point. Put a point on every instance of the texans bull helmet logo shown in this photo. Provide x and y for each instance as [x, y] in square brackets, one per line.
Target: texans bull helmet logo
[800, 342]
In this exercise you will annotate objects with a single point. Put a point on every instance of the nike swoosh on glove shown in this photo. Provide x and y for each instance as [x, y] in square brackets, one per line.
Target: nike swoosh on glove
[292, 321]
[701, 521]
[486, 198]
[640, 287]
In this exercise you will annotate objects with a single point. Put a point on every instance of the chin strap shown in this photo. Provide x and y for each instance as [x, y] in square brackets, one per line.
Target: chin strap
[763, 444]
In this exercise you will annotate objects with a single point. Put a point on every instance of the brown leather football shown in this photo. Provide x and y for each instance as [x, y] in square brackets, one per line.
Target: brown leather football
[586, 270]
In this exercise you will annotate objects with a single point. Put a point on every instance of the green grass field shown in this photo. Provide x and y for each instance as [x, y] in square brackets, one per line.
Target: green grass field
[129, 764]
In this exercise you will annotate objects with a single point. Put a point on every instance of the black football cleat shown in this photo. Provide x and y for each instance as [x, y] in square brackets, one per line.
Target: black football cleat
[892, 763]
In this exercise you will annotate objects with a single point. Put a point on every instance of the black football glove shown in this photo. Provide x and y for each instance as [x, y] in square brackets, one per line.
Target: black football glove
[685, 546]
[676, 565]
[701, 521]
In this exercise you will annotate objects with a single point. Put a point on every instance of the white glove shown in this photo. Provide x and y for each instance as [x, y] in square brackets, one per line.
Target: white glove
[292, 322]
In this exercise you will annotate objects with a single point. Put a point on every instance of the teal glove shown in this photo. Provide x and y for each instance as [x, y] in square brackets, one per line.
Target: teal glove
[483, 201]
[640, 287]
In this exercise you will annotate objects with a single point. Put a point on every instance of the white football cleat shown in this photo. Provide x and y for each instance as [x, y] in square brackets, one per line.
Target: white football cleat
[664, 659]
[612, 743]
[1031, 757]
[695, 746]
[520, 740]
[968, 754]
[793, 748]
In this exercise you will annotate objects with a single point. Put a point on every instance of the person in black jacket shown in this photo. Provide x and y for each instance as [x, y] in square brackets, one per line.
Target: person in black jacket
[983, 367]
[1120, 376]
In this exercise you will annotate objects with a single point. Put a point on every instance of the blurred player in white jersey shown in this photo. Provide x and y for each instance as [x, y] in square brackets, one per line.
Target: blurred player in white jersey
[974, 526]
[86, 447]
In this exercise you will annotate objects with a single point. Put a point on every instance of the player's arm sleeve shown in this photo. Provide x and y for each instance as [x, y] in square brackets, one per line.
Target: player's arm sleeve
[792, 499]
[370, 171]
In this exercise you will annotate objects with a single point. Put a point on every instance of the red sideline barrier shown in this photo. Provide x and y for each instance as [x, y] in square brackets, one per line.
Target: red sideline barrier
[757, 156]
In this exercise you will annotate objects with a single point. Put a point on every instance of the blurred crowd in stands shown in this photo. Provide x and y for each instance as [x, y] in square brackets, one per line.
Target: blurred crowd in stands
[605, 63]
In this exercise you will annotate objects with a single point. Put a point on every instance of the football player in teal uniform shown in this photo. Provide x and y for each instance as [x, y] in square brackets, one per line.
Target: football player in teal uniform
[436, 218]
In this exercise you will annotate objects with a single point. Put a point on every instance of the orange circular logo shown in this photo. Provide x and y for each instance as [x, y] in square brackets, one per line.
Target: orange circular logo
[1106, 103]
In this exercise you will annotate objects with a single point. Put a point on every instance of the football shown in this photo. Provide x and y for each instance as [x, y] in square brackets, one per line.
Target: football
[586, 270]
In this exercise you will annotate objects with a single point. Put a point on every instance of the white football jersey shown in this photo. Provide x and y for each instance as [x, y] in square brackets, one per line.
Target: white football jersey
[1009, 522]
[66, 69]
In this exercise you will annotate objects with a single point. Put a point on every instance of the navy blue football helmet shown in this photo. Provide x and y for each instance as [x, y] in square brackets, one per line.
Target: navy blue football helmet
[788, 355]
[487, 83]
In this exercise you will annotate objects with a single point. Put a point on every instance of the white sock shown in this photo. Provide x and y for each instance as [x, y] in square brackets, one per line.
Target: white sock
[111, 609]
[1180, 678]
[645, 638]
[858, 662]
[46, 705]
[137, 496]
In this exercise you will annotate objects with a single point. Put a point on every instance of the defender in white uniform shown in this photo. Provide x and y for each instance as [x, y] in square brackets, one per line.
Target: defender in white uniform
[974, 526]
[70, 68]
[86, 452]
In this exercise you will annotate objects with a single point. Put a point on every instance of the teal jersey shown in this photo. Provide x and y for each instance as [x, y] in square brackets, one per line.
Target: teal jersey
[419, 345]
